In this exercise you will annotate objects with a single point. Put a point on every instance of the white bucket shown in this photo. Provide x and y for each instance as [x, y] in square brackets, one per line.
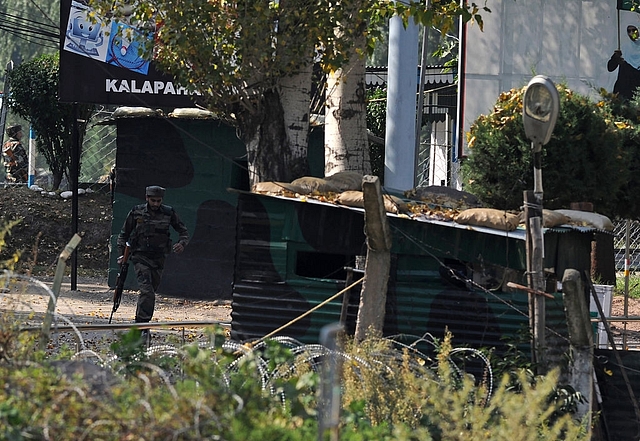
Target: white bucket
[605, 296]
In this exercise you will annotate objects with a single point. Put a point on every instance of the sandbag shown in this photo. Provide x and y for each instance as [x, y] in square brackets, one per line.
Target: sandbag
[135, 112]
[489, 217]
[588, 219]
[445, 196]
[346, 180]
[192, 113]
[272, 187]
[550, 218]
[353, 198]
[311, 184]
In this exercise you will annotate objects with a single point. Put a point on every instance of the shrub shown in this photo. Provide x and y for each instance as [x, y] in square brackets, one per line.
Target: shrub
[585, 161]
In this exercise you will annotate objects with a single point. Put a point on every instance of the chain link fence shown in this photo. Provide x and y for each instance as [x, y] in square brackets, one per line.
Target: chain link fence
[96, 161]
[98, 153]
[627, 237]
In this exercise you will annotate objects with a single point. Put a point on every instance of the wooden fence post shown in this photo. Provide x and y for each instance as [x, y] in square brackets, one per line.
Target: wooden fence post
[373, 296]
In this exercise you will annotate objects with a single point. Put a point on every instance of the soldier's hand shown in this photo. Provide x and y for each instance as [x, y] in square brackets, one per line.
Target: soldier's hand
[120, 259]
[178, 248]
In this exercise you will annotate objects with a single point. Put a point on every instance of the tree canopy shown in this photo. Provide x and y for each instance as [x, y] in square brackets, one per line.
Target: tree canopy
[240, 56]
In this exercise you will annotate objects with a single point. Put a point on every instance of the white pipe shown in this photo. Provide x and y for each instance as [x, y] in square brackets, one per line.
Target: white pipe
[32, 157]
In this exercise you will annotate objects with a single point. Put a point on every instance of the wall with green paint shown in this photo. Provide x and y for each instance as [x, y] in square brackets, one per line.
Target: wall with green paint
[197, 161]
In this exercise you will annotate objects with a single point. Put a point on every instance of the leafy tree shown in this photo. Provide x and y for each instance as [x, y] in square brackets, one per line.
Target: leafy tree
[244, 57]
[585, 160]
[34, 96]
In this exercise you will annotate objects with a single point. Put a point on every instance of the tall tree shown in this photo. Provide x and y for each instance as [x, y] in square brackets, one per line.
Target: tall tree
[243, 56]
[34, 96]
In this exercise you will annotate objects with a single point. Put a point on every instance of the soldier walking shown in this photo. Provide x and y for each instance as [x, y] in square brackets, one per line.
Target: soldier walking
[146, 229]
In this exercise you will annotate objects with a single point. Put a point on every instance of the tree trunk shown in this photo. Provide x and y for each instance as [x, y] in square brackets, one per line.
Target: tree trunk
[295, 95]
[346, 146]
[58, 160]
[603, 262]
[265, 138]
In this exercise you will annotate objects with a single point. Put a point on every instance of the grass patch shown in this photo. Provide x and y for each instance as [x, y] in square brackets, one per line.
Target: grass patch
[634, 285]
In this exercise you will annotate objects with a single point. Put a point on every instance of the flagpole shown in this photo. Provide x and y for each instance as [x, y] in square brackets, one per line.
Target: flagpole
[618, 11]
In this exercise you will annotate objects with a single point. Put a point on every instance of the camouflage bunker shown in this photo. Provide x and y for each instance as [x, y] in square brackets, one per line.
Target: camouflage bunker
[196, 158]
[292, 254]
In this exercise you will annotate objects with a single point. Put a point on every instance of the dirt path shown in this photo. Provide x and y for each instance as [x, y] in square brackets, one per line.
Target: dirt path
[92, 303]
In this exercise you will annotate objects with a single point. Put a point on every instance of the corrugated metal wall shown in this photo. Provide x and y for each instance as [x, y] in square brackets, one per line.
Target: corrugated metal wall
[291, 256]
[266, 295]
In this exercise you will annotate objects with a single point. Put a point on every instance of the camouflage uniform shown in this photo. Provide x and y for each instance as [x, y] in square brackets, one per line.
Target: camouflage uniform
[147, 231]
[14, 157]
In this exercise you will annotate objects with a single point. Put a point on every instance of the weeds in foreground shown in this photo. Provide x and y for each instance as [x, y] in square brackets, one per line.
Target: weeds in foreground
[230, 391]
[444, 404]
[236, 392]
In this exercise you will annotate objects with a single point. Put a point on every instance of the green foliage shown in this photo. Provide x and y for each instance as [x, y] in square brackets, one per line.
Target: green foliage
[220, 48]
[376, 123]
[634, 286]
[34, 96]
[235, 55]
[5, 231]
[585, 160]
[269, 392]
[628, 120]
[406, 394]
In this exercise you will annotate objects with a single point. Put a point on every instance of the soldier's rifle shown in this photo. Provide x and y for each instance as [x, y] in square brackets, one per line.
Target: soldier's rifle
[122, 276]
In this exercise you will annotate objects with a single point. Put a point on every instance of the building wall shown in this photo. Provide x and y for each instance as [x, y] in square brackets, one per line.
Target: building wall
[568, 40]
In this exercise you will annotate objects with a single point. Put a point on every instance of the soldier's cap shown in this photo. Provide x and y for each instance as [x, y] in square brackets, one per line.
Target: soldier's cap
[13, 129]
[155, 190]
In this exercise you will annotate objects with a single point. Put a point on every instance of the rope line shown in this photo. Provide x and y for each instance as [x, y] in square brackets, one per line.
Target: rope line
[318, 306]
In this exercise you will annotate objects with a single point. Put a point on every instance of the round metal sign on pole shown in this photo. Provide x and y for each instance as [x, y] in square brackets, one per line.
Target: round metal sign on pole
[540, 108]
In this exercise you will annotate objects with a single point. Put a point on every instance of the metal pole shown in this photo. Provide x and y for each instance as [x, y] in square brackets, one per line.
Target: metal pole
[419, 109]
[536, 256]
[32, 157]
[626, 279]
[5, 95]
[462, 61]
[75, 170]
